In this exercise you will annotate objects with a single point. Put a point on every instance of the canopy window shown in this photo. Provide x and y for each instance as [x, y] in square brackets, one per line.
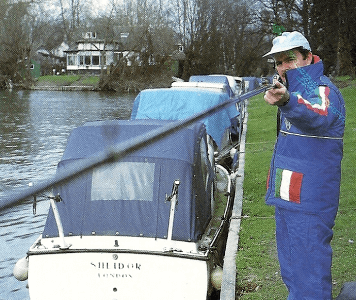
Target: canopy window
[123, 181]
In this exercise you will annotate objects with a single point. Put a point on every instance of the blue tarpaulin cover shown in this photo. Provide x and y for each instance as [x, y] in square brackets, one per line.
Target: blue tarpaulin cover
[128, 197]
[181, 103]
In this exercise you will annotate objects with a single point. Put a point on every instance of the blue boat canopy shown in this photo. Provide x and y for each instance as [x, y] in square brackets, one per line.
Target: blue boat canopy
[128, 197]
[182, 102]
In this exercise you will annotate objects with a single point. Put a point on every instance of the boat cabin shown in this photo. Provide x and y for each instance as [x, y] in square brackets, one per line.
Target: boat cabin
[130, 197]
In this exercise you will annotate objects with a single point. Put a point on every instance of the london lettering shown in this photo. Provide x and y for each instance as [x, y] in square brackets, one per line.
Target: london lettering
[114, 275]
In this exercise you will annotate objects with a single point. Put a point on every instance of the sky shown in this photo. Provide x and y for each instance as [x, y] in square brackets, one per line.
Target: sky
[101, 4]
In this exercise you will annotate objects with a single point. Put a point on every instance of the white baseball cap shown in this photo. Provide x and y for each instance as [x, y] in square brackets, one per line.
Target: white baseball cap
[288, 41]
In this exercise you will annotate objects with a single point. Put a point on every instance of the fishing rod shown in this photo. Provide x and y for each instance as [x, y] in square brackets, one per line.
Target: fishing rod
[120, 150]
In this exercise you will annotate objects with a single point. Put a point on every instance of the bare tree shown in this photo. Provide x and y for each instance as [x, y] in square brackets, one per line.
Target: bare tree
[15, 42]
[218, 36]
[345, 62]
[72, 14]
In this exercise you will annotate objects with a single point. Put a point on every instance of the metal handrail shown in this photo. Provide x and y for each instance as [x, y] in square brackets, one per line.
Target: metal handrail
[53, 200]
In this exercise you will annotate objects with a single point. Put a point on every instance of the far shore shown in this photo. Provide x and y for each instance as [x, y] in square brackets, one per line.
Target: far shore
[91, 83]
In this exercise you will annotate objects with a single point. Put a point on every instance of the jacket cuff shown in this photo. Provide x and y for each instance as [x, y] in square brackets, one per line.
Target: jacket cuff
[290, 104]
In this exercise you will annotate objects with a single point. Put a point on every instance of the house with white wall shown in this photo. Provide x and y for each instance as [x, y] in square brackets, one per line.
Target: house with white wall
[91, 54]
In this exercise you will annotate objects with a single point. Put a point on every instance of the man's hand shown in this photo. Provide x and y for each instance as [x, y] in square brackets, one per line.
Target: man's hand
[278, 95]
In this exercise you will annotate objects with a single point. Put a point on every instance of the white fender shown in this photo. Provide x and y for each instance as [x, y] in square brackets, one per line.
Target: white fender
[216, 277]
[21, 269]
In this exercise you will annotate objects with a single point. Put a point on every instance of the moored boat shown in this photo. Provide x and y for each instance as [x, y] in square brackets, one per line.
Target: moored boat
[152, 225]
[185, 99]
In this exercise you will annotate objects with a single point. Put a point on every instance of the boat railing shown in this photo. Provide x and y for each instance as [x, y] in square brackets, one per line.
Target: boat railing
[223, 187]
[53, 200]
[227, 192]
[173, 198]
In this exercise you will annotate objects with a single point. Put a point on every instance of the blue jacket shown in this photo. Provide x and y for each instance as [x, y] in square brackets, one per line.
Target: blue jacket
[305, 169]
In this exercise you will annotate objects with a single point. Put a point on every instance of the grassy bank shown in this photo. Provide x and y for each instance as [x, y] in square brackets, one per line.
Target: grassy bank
[133, 83]
[67, 80]
[257, 264]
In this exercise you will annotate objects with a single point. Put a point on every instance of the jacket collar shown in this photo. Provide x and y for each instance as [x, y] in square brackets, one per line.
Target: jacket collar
[311, 72]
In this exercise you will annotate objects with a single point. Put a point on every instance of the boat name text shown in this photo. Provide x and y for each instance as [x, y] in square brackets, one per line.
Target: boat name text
[116, 266]
[116, 269]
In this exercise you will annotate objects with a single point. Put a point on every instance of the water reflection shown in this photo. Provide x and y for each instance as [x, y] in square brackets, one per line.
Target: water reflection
[34, 129]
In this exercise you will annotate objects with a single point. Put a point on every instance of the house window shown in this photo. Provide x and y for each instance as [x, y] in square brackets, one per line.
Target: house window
[81, 60]
[72, 60]
[95, 60]
[87, 60]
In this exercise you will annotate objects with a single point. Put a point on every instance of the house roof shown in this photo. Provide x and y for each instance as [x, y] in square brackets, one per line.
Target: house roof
[74, 46]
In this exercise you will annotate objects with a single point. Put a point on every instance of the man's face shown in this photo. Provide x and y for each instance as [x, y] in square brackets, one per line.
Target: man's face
[289, 60]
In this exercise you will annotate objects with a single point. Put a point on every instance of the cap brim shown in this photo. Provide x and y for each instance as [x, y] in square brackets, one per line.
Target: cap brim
[279, 50]
[282, 50]
[268, 54]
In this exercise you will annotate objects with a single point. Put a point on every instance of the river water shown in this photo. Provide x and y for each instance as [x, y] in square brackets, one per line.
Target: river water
[34, 127]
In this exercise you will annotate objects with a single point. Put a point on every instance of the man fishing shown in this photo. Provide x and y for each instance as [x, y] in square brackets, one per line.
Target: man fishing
[304, 177]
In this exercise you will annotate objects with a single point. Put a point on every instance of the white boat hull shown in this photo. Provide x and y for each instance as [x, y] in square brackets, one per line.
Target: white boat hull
[106, 274]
